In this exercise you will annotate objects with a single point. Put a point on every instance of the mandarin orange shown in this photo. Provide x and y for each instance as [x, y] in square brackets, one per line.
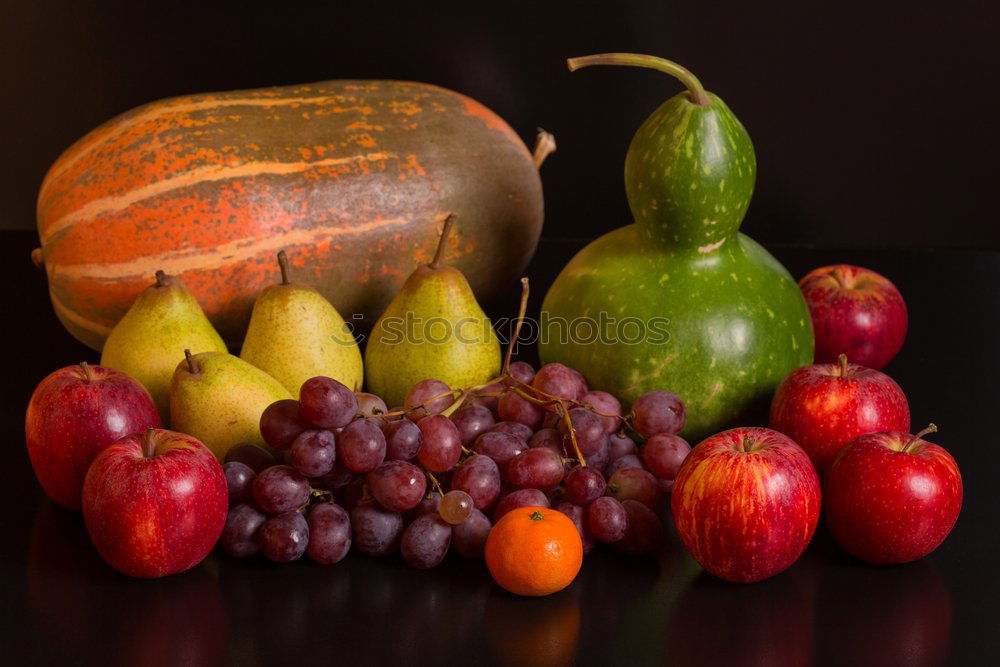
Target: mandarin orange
[534, 551]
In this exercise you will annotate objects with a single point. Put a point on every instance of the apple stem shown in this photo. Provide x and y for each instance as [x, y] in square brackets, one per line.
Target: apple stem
[696, 92]
[161, 278]
[748, 444]
[931, 428]
[439, 254]
[88, 374]
[842, 360]
[193, 366]
[283, 264]
[148, 445]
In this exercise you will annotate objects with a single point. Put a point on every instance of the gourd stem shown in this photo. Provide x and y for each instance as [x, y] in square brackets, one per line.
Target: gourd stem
[545, 145]
[439, 255]
[695, 90]
[283, 264]
[931, 428]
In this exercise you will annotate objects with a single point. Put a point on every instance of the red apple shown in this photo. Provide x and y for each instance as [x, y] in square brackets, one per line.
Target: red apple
[825, 406]
[745, 503]
[892, 497]
[75, 413]
[155, 503]
[856, 312]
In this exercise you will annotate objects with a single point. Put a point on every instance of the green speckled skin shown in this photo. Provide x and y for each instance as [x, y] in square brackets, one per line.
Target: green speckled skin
[737, 321]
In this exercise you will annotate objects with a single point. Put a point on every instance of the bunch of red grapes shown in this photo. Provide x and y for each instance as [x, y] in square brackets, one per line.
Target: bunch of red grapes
[436, 473]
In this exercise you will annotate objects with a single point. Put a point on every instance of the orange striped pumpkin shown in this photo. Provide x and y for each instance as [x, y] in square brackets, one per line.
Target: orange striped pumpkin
[352, 178]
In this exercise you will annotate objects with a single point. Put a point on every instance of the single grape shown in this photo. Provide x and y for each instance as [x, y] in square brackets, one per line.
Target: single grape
[489, 397]
[556, 494]
[519, 498]
[313, 453]
[589, 430]
[280, 423]
[607, 519]
[361, 445]
[501, 447]
[326, 403]
[636, 484]
[402, 440]
[599, 459]
[557, 381]
[516, 408]
[658, 412]
[579, 517]
[284, 538]
[397, 485]
[663, 454]
[608, 407]
[469, 537]
[337, 478]
[241, 534]
[627, 461]
[455, 507]
[516, 429]
[258, 458]
[440, 445]
[584, 485]
[478, 476]
[521, 371]
[549, 438]
[471, 421]
[551, 420]
[429, 503]
[425, 541]
[433, 395]
[280, 489]
[538, 468]
[645, 530]
[375, 530]
[329, 533]
[370, 405]
[239, 481]
[620, 445]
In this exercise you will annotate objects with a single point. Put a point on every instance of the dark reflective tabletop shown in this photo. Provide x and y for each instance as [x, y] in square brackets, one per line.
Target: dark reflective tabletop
[62, 605]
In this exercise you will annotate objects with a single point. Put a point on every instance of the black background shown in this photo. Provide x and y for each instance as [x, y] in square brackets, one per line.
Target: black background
[873, 122]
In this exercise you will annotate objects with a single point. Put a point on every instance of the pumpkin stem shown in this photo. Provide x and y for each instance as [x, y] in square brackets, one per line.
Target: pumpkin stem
[696, 92]
[193, 367]
[545, 145]
[283, 264]
[931, 428]
[439, 255]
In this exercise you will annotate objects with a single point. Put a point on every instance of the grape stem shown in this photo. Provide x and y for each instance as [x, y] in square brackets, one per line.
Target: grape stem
[434, 482]
[696, 92]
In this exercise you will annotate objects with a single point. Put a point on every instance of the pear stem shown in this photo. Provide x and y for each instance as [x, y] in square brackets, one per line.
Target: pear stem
[439, 255]
[545, 145]
[193, 366]
[696, 92]
[283, 264]
[842, 360]
[88, 374]
[161, 278]
[931, 428]
[525, 290]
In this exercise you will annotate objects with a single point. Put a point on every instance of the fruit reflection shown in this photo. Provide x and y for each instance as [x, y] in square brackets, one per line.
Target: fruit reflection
[885, 615]
[539, 631]
[91, 612]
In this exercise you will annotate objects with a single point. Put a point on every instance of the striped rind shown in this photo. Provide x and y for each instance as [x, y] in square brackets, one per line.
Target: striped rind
[351, 178]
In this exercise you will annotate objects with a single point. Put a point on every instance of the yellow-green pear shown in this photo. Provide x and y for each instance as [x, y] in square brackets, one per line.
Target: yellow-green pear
[432, 329]
[218, 398]
[148, 341]
[296, 334]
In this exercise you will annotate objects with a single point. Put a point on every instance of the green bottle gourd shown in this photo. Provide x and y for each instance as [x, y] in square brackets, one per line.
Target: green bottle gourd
[712, 315]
